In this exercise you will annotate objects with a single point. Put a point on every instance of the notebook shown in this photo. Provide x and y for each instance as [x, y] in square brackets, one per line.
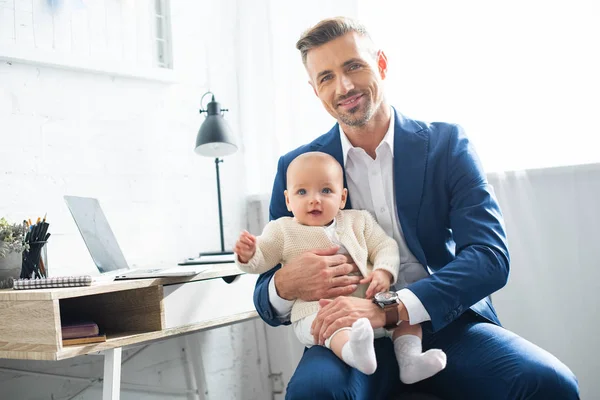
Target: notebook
[54, 282]
[104, 249]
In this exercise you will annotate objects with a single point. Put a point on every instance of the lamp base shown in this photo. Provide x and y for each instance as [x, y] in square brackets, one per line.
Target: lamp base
[213, 257]
[218, 257]
[216, 253]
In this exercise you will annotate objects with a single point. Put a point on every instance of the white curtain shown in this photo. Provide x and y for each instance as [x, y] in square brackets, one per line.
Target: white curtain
[520, 76]
[552, 220]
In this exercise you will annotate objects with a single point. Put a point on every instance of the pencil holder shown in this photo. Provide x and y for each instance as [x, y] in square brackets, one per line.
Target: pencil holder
[34, 265]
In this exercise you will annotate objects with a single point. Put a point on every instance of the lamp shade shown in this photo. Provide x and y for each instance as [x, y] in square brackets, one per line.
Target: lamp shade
[215, 138]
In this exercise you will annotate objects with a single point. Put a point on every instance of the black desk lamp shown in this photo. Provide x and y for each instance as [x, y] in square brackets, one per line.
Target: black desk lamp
[215, 139]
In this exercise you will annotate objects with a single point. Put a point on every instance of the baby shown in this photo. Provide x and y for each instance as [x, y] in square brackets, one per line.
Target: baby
[316, 196]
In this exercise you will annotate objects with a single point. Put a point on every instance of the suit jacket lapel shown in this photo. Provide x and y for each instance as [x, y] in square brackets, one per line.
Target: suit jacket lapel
[411, 145]
[331, 144]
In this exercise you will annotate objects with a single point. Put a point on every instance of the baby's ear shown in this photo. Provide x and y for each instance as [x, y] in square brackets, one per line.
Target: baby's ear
[344, 198]
[287, 200]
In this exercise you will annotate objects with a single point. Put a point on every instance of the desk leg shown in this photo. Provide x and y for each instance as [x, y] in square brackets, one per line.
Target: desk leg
[111, 386]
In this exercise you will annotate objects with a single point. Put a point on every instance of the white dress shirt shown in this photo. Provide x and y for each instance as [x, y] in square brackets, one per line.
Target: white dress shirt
[371, 188]
[331, 232]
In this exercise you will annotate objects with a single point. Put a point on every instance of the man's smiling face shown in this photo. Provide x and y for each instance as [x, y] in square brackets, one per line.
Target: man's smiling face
[346, 74]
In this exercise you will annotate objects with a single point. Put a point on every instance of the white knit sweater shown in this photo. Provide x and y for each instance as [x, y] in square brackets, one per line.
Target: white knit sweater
[366, 242]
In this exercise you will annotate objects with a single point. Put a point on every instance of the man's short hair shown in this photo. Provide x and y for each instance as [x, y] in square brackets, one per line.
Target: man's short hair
[327, 30]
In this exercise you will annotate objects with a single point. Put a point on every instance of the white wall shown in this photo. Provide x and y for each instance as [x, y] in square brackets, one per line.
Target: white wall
[129, 142]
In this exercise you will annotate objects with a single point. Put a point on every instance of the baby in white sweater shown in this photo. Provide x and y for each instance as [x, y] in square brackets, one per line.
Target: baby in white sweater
[316, 196]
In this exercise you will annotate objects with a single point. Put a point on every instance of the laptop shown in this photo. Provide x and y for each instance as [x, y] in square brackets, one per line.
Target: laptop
[104, 249]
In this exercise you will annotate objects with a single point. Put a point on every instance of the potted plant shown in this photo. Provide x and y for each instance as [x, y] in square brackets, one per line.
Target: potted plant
[12, 245]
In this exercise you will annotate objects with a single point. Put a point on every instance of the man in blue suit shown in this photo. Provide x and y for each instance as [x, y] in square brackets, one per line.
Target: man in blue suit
[426, 187]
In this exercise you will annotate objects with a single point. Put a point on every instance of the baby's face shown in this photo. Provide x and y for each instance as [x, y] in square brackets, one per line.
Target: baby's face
[315, 193]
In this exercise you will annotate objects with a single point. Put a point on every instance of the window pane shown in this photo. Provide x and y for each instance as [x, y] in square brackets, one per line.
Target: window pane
[160, 31]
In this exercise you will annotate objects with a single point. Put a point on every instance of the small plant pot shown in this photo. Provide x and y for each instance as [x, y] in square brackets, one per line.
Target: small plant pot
[10, 267]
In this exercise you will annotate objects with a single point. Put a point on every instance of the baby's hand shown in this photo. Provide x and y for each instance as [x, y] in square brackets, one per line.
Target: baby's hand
[380, 282]
[245, 247]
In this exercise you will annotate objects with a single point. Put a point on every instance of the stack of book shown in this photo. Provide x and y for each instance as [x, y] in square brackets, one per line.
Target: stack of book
[81, 332]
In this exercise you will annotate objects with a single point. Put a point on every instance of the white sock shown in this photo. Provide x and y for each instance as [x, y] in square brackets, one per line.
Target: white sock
[359, 352]
[414, 364]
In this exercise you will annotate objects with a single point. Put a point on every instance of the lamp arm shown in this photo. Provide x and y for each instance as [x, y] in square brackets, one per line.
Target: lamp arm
[217, 162]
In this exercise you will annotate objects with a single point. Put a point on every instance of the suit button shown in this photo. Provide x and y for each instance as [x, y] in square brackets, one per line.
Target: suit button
[452, 315]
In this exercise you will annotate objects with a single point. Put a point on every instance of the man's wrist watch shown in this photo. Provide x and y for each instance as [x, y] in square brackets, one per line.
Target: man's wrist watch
[388, 301]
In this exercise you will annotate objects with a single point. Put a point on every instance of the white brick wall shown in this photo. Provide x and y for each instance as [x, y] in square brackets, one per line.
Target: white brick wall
[130, 143]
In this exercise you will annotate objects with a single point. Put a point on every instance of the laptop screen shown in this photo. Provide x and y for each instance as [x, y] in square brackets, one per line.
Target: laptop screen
[97, 235]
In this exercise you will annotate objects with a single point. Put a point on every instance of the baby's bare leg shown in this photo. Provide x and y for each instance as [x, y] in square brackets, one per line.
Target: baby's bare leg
[414, 364]
[407, 329]
[338, 341]
[355, 346]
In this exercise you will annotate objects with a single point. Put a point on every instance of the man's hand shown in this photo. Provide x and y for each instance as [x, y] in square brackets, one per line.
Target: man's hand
[380, 281]
[315, 275]
[343, 312]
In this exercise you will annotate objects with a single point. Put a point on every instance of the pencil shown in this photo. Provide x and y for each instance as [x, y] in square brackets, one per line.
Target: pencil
[42, 269]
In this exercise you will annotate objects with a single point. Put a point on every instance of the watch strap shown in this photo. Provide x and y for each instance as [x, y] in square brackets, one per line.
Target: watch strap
[391, 316]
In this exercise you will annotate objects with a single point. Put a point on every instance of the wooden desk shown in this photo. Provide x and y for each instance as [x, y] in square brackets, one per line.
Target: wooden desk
[129, 312]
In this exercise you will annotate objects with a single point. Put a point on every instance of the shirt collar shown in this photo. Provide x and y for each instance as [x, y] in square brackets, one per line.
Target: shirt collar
[331, 226]
[388, 138]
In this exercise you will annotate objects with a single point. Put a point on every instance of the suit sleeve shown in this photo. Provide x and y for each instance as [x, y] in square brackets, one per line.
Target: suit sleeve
[481, 265]
[277, 209]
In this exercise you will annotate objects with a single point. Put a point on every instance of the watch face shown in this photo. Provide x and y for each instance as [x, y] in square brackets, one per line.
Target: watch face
[386, 297]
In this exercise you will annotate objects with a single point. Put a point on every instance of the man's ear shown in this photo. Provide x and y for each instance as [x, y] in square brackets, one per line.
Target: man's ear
[344, 198]
[287, 200]
[382, 64]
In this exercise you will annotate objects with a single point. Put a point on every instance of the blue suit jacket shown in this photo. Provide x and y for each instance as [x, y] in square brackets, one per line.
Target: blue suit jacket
[448, 213]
